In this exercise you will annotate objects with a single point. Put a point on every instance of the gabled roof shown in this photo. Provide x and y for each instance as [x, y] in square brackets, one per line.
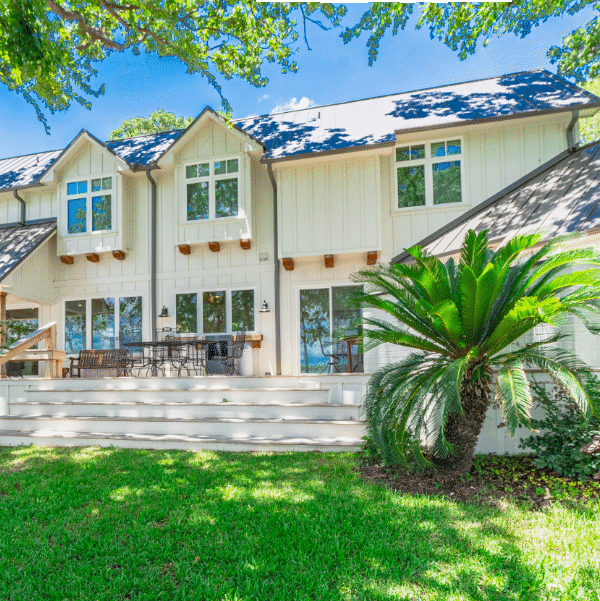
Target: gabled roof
[377, 120]
[209, 114]
[560, 197]
[84, 136]
[17, 242]
[353, 125]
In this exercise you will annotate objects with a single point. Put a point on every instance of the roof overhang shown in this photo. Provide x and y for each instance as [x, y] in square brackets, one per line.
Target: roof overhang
[207, 115]
[82, 138]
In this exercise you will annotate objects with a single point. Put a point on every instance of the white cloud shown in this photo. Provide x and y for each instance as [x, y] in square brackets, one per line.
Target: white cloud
[294, 105]
[265, 97]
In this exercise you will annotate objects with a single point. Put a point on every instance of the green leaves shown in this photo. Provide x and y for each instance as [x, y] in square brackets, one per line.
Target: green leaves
[461, 26]
[514, 395]
[158, 121]
[463, 318]
[60, 40]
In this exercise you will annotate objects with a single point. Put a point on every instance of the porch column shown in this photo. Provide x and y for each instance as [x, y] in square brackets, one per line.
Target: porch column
[3, 329]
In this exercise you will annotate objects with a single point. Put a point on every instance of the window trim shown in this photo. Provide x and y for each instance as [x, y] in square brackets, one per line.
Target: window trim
[211, 179]
[228, 307]
[89, 217]
[428, 162]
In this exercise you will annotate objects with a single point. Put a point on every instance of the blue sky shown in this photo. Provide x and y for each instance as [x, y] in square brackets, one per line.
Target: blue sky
[331, 72]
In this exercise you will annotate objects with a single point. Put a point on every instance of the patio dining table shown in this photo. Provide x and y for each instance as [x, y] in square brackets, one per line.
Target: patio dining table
[175, 353]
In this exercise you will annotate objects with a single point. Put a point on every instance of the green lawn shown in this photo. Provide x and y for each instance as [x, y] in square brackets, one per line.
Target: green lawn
[94, 524]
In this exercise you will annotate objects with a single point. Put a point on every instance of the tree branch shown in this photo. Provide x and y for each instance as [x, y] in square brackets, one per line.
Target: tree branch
[94, 33]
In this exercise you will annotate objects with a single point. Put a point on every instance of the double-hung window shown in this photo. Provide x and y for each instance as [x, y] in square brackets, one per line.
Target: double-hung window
[218, 311]
[89, 205]
[212, 189]
[429, 174]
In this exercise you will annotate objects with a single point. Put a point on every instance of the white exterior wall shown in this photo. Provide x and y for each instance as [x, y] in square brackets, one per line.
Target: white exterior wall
[340, 205]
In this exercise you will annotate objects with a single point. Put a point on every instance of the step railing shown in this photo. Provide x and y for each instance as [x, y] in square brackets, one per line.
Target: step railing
[21, 350]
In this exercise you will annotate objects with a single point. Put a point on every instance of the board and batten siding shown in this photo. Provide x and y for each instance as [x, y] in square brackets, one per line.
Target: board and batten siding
[329, 207]
[40, 203]
[494, 157]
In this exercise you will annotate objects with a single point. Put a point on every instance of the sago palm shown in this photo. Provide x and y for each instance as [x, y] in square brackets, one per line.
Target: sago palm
[464, 319]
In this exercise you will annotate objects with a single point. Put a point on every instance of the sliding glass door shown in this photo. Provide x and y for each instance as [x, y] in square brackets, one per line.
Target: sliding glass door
[328, 330]
[91, 323]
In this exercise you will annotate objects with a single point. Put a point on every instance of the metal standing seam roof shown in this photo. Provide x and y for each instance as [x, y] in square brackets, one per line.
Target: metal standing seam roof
[356, 124]
[560, 197]
[378, 120]
[17, 242]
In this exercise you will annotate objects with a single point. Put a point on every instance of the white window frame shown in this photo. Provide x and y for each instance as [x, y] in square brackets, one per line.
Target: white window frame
[89, 217]
[428, 162]
[87, 299]
[228, 307]
[211, 179]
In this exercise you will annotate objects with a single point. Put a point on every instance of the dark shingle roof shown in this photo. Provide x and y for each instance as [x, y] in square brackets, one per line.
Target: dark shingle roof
[17, 242]
[356, 124]
[560, 197]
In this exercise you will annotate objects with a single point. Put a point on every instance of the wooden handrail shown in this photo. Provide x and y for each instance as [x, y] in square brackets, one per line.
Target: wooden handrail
[46, 333]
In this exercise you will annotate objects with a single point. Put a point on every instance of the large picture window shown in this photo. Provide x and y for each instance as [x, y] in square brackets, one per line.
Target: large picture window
[212, 189]
[89, 205]
[219, 311]
[92, 323]
[429, 174]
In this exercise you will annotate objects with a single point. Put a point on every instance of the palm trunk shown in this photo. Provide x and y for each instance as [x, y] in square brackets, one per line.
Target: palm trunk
[463, 431]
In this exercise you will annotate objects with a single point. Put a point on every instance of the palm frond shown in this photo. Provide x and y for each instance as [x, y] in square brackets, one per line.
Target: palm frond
[514, 395]
[474, 250]
[569, 372]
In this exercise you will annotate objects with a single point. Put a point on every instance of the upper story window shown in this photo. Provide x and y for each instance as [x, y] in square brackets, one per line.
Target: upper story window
[89, 205]
[429, 174]
[212, 189]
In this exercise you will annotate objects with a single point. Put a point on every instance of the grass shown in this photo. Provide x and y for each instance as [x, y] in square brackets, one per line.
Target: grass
[109, 524]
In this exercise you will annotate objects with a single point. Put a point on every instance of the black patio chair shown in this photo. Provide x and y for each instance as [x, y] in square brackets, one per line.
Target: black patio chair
[335, 352]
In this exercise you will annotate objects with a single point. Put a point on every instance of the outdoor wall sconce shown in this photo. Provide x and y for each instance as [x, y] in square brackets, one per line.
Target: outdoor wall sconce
[164, 312]
[265, 308]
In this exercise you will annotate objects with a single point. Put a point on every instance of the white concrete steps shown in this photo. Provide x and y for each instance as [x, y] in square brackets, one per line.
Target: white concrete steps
[326, 428]
[187, 413]
[140, 409]
[187, 443]
[195, 395]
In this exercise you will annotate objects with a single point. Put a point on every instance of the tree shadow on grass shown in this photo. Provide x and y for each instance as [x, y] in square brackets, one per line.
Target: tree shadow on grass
[119, 524]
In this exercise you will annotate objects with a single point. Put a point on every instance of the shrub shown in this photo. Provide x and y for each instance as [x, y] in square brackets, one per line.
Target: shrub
[561, 433]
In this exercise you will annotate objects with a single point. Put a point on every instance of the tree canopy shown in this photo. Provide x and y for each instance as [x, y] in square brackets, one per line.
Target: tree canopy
[462, 25]
[158, 121]
[60, 41]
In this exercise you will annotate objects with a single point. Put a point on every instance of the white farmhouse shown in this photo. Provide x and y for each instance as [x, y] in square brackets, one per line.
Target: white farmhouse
[254, 227]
